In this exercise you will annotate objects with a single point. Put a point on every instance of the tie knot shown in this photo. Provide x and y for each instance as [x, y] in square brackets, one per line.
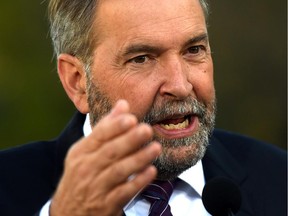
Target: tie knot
[158, 190]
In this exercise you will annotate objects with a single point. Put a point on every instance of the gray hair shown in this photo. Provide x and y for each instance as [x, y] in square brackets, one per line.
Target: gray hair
[71, 27]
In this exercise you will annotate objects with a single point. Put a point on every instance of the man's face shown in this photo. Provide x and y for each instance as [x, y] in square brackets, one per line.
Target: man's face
[156, 55]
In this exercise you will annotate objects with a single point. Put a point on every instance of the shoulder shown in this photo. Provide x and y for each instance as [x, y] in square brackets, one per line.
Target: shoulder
[29, 151]
[27, 177]
[27, 160]
[258, 158]
[44, 152]
[243, 145]
[265, 168]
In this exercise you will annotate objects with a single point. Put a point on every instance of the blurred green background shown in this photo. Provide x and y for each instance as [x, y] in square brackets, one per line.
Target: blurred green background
[249, 45]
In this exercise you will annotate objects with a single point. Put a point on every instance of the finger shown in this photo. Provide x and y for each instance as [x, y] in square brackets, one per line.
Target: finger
[119, 172]
[121, 106]
[118, 121]
[122, 146]
[91, 164]
[121, 195]
[108, 129]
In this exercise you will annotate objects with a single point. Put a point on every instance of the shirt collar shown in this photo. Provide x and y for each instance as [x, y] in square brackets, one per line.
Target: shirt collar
[194, 176]
[87, 129]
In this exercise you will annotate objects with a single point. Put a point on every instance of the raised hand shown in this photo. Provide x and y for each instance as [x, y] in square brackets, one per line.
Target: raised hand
[106, 169]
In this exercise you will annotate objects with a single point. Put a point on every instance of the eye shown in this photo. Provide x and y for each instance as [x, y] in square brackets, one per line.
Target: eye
[196, 49]
[139, 59]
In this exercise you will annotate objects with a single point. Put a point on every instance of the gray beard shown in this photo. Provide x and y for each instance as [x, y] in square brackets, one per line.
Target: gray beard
[168, 164]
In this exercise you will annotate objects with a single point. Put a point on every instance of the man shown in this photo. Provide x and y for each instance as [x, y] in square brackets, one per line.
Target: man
[140, 74]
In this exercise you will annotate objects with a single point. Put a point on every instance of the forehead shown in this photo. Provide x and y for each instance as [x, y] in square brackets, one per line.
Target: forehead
[132, 19]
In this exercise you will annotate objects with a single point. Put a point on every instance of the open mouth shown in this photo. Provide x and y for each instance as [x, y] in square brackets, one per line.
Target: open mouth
[177, 126]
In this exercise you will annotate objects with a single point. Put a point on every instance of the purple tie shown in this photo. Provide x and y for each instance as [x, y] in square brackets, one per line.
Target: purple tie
[158, 194]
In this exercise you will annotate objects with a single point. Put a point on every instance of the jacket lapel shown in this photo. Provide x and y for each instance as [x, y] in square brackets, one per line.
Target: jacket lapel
[72, 133]
[219, 162]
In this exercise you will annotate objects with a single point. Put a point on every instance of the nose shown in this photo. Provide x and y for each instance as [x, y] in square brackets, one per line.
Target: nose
[176, 81]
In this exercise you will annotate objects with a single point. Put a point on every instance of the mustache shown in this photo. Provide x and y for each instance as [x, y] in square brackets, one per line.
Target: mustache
[175, 109]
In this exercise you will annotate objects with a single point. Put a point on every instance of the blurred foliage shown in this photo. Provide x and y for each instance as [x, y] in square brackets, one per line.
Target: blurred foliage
[249, 42]
[248, 39]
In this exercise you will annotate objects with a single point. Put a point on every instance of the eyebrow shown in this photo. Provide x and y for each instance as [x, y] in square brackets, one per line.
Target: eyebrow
[145, 48]
[197, 39]
[140, 48]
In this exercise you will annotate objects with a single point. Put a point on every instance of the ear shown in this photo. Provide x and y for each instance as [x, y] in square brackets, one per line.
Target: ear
[72, 75]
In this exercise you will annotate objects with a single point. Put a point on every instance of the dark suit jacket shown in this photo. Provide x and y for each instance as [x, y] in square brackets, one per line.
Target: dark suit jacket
[29, 174]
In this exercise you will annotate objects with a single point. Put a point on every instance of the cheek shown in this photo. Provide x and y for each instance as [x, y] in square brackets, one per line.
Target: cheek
[141, 97]
[203, 83]
[139, 89]
[140, 92]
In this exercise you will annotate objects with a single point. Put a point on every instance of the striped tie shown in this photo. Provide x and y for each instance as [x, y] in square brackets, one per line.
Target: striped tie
[158, 194]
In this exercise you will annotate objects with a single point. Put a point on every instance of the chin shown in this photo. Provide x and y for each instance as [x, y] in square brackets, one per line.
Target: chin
[173, 161]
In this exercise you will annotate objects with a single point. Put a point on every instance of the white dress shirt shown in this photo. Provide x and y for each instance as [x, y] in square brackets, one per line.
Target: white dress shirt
[185, 199]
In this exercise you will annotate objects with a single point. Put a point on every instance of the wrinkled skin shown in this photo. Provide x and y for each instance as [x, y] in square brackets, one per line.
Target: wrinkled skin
[149, 53]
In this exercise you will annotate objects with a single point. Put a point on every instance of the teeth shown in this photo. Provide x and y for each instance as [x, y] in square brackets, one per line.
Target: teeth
[176, 126]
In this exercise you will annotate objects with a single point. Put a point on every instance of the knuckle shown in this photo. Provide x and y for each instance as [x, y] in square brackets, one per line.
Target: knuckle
[142, 158]
[110, 152]
[78, 166]
[119, 171]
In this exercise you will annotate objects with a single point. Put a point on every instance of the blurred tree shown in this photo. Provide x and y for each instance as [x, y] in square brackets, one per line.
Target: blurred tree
[33, 105]
[249, 44]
